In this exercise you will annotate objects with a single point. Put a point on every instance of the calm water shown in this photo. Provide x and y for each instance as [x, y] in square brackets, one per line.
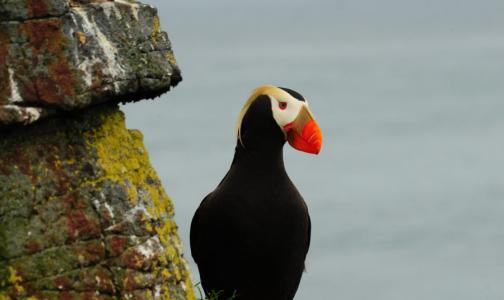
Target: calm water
[407, 196]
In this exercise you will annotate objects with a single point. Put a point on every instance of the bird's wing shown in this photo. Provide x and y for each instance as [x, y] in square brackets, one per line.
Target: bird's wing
[309, 236]
[308, 240]
[195, 238]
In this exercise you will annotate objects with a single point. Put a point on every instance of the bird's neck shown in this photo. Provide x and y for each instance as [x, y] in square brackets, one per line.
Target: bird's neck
[260, 160]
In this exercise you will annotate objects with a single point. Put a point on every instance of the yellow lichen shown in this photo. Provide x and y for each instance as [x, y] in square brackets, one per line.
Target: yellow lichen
[178, 275]
[188, 285]
[123, 159]
[81, 36]
[165, 293]
[165, 274]
[171, 58]
[164, 232]
[15, 280]
[147, 224]
[149, 295]
[3, 296]
[156, 29]
[171, 252]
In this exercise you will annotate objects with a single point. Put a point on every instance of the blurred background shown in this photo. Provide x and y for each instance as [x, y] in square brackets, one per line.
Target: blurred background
[407, 195]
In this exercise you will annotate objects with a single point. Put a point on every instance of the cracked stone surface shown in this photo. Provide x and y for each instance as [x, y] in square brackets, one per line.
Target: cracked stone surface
[63, 55]
[83, 215]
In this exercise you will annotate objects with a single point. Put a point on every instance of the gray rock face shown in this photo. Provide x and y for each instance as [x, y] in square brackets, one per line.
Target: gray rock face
[83, 215]
[61, 55]
[23, 10]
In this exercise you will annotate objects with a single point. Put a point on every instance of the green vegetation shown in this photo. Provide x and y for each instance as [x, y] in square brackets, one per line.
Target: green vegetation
[213, 294]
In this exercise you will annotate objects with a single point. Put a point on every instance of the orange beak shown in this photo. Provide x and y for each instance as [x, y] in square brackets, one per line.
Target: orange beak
[303, 133]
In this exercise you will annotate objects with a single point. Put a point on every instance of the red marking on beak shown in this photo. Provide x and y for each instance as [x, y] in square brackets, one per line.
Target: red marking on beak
[309, 140]
[288, 127]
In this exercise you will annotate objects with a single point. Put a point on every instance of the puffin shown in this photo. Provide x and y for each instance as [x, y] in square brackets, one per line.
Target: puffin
[250, 236]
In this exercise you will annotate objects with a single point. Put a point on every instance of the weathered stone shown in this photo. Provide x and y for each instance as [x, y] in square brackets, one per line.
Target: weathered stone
[83, 215]
[61, 55]
[30, 9]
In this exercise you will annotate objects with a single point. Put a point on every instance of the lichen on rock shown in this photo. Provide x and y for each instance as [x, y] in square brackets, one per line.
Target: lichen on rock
[63, 55]
[83, 214]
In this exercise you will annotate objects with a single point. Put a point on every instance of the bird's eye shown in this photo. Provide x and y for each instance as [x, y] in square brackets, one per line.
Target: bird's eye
[282, 105]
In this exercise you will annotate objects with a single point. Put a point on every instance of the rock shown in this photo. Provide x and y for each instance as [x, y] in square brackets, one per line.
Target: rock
[83, 215]
[63, 55]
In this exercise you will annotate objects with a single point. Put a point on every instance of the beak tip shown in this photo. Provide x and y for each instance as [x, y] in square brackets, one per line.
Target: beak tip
[310, 139]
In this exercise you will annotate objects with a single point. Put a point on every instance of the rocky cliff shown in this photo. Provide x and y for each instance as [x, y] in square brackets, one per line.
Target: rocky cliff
[62, 55]
[83, 214]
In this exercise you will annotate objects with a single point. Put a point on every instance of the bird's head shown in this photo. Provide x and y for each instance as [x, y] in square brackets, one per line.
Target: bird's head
[278, 113]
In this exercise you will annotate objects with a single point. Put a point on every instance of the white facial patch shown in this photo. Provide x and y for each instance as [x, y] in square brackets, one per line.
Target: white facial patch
[285, 109]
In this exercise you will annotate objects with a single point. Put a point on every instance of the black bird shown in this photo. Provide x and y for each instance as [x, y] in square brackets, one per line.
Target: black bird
[250, 236]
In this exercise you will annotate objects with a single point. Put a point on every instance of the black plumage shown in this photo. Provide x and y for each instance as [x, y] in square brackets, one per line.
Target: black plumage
[250, 236]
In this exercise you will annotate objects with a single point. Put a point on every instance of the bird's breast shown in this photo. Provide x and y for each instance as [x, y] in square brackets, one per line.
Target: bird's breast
[260, 215]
